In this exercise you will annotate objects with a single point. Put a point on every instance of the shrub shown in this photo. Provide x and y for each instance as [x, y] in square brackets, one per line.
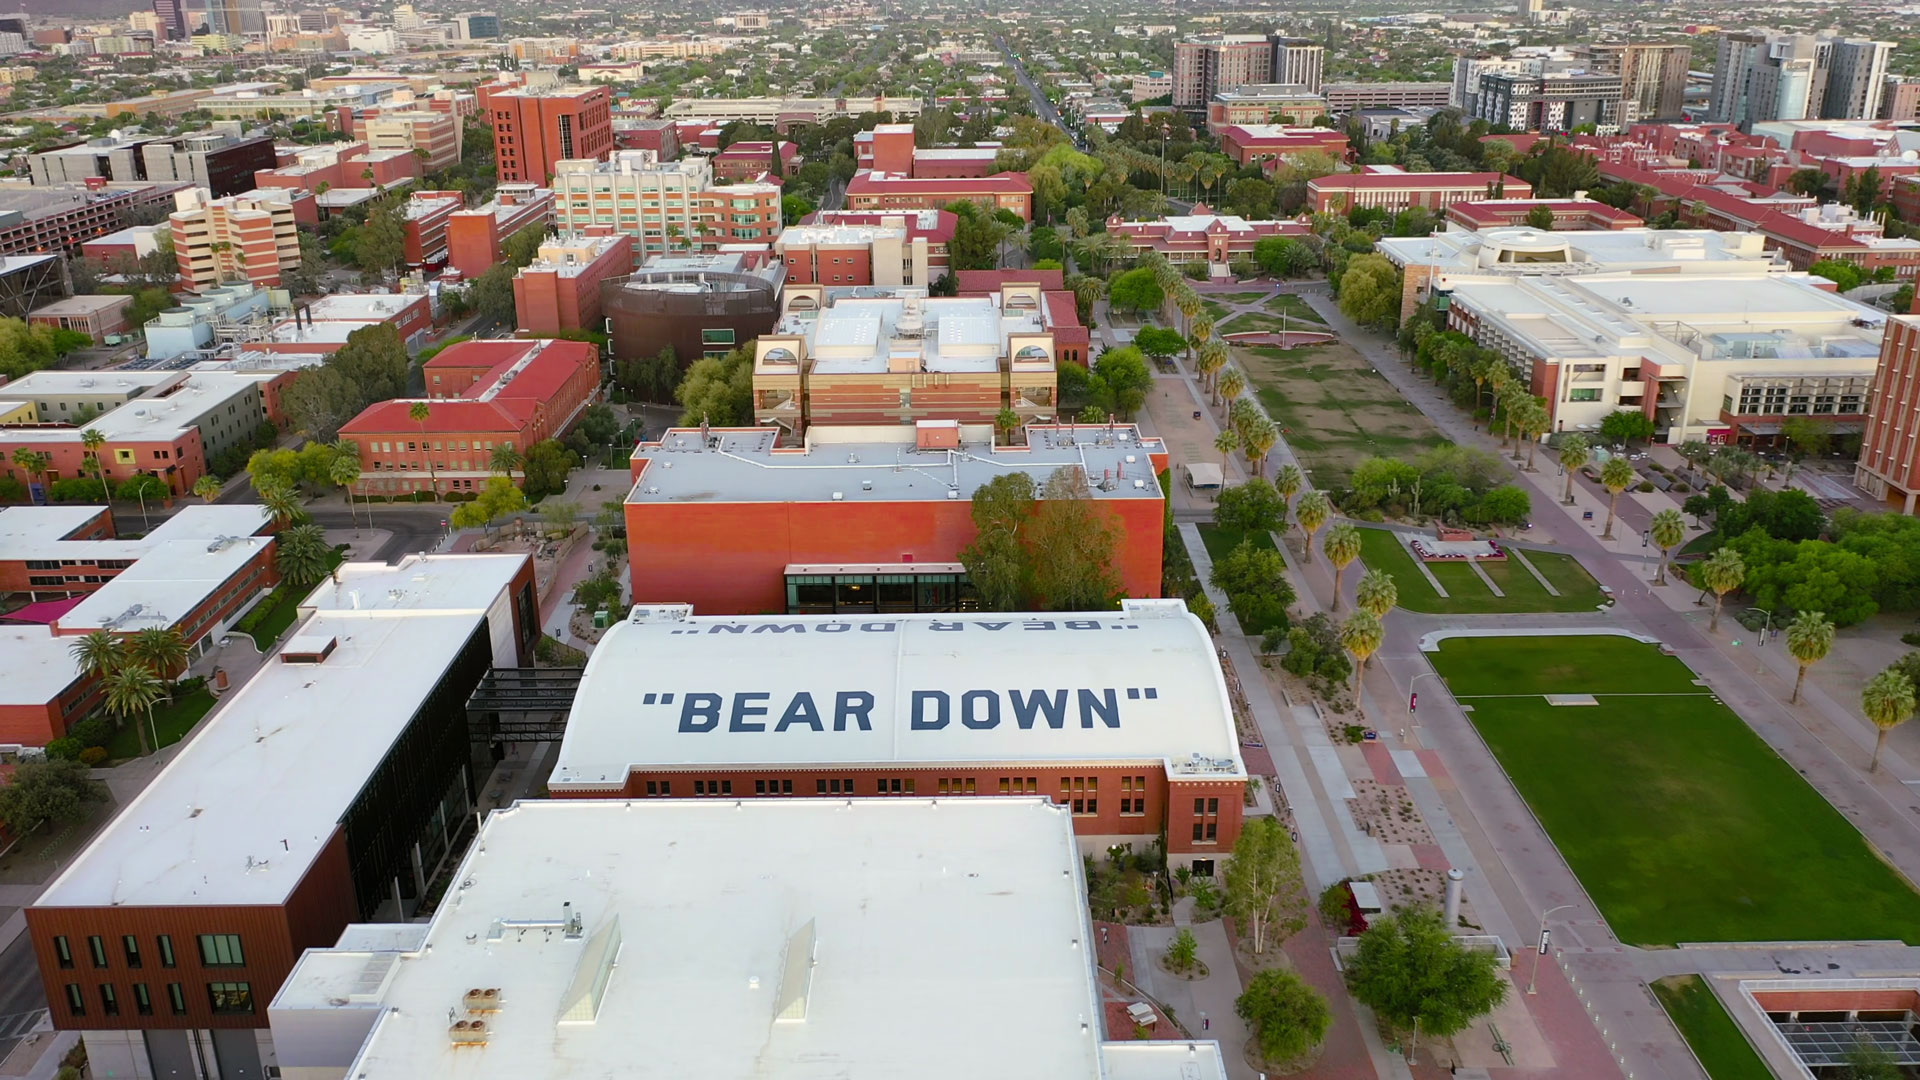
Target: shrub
[65, 749]
[93, 755]
[1334, 909]
[1682, 486]
[92, 731]
[1911, 637]
[1645, 486]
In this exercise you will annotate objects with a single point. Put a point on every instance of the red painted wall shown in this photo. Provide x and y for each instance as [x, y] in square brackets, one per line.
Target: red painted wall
[731, 558]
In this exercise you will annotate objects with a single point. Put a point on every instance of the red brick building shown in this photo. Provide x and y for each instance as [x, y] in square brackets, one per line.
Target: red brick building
[560, 290]
[1567, 214]
[1122, 716]
[894, 175]
[1248, 143]
[1889, 466]
[1200, 236]
[533, 129]
[844, 248]
[725, 523]
[474, 236]
[425, 221]
[660, 136]
[354, 802]
[528, 391]
[747, 160]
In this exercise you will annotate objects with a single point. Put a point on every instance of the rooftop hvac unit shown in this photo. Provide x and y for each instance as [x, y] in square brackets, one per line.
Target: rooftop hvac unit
[468, 1033]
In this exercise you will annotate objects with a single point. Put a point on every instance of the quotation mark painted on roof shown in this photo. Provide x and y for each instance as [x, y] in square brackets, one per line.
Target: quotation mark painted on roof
[663, 699]
[1135, 693]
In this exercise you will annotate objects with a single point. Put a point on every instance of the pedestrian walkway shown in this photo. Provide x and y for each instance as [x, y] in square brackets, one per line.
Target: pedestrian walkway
[1520, 556]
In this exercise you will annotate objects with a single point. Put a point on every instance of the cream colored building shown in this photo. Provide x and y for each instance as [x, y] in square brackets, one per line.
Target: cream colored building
[669, 205]
[238, 238]
[1716, 358]
[438, 134]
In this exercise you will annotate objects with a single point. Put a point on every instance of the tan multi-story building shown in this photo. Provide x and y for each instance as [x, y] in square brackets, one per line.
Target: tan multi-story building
[1653, 77]
[437, 134]
[1208, 66]
[667, 206]
[852, 248]
[241, 237]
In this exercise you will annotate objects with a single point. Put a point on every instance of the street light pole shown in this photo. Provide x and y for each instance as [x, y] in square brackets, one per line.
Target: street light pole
[1541, 956]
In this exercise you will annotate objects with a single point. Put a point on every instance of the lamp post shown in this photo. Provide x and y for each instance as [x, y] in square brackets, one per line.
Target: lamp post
[1541, 956]
[1411, 697]
[1766, 631]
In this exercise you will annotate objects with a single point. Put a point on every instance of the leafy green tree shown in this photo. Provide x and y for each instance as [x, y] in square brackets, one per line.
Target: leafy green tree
[1369, 290]
[56, 790]
[718, 390]
[1254, 578]
[1812, 183]
[380, 245]
[1845, 276]
[491, 294]
[1264, 887]
[996, 559]
[1409, 966]
[1887, 701]
[1136, 290]
[1183, 953]
[976, 239]
[496, 499]
[372, 366]
[1287, 1016]
[301, 554]
[523, 247]
[1126, 379]
[1541, 217]
[1626, 426]
[1809, 639]
[1508, 504]
[546, 468]
[1252, 507]
[1284, 256]
[1072, 544]
[1159, 342]
[1810, 438]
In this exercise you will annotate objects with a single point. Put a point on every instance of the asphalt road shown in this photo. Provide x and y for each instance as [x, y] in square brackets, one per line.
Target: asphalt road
[1041, 106]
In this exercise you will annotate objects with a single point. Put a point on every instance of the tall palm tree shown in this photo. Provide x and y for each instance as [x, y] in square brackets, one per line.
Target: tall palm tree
[300, 554]
[1200, 334]
[280, 501]
[1188, 303]
[1534, 422]
[1376, 594]
[1213, 357]
[505, 459]
[1361, 635]
[1809, 639]
[1616, 476]
[161, 650]
[344, 471]
[1721, 573]
[1231, 384]
[97, 653]
[1288, 482]
[93, 439]
[32, 462]
[1312, 512]
[130, 690]
[1259, 437]
[1668, 529]
[1226, 442]
[1888, 702]
[1574, 453]
[207, 487]
[1342, 546]
[419, 412]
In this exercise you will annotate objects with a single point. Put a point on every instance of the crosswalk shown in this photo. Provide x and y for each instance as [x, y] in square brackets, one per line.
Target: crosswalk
[17, 1026]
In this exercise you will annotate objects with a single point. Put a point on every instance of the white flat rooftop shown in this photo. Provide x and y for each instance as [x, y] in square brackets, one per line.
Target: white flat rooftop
[790, 939]
[136, 419]
[361, 306]
[238, 817]
[673, 691]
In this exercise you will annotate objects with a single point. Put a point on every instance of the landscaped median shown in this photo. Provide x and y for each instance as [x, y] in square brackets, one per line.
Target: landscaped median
[1681, 823]
[1380, 549]
[1716, 1040]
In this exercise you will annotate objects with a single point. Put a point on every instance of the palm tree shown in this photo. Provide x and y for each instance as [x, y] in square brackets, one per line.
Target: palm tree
[1888, 702]
[344, 470]
[1534, 421]
[300, 554]
[419, 412]
[505, 459]
[1188, 303]
[1616, 476]
[1005, 423]
[1226, 442]
[1288, 483]
[1311, 513]
[1213, 357]
[1809, 639]
[129, 690]
[1342, 546]
[97, 653]
[279, 501]
[1722, 572]
[93, 439]
[1376, 594]
[1361, 635]
[1259, 437]
[1231, 384]
[1668, 529]
[207, 487]
[162, 650]
[1574, 453]
[33, 462]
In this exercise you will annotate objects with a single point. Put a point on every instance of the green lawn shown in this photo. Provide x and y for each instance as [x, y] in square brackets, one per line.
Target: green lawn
[1293, 307]
[1679, 821]
[171, 720]
[1252, 321]
[1722, 1048]
[1468, 595]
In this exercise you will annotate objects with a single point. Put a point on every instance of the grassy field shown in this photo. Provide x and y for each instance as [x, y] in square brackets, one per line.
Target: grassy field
[171, 720]
[1337, 411]
[1679, 821]
[1221, 540]
[1723, 1051]
[1294, 308]
[1468, 595]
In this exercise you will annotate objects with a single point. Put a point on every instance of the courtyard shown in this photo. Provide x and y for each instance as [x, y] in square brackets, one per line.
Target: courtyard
[1467, 594]
[1681, 823]
[1335, 411]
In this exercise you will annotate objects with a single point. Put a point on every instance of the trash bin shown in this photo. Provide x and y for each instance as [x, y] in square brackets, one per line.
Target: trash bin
[602, 619]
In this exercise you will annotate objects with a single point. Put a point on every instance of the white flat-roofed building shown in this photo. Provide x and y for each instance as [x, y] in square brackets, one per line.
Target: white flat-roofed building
[1429, 264]
[1720, 358]
[329, 789]
[815, 939]
[1122, 716]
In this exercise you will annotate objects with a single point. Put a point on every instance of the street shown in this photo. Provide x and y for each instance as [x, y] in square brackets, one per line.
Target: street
[1041, 106]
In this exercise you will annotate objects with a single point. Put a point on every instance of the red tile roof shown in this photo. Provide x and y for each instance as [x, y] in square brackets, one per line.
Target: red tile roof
[444, 417]
[1008, 183]
[1419, 181]
[982, 282]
